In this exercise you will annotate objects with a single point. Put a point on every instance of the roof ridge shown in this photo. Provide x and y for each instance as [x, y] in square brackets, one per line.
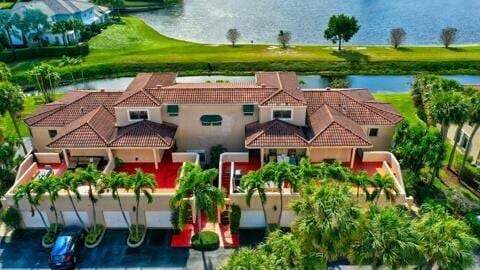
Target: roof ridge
[152, 130]
[368, 106]
[97, 110]
[279, 91]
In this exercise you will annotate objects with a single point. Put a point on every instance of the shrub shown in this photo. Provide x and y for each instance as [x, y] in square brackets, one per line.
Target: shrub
[118, 162]
[216, 151]
[205, 241]
[459, 203]
[235, 215]
[11, 217]
[94, 234]
[29, 53]
[474, 223]
[51, 234]
[133, 238]
[471, 176]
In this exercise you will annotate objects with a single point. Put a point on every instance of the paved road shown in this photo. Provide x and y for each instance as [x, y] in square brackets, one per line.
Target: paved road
[25, 252]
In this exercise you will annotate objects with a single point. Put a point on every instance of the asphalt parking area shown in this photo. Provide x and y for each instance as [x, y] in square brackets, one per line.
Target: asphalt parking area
[26, 252]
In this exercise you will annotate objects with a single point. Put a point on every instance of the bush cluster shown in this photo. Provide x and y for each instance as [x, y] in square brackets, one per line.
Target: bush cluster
[205, 241]
[11, 217]
[94, 234]
[29, 53]
[235, 214]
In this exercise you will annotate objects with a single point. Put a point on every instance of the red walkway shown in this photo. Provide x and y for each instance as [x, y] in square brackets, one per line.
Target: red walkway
[166, 175]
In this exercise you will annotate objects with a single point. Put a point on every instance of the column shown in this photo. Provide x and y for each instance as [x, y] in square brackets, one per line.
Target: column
[262, 153]
[110, 154]
[65, 156]
[155, 159]
[352, 158]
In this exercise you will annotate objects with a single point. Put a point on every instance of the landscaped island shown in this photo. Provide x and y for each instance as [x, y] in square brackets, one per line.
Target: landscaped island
[124, 49]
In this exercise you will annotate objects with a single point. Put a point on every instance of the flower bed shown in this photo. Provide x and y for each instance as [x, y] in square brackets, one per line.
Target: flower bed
[48, 238]
[134, 239]
[205, 241]
[94, 236]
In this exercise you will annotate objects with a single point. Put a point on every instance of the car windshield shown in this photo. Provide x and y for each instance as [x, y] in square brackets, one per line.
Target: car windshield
[62, 245]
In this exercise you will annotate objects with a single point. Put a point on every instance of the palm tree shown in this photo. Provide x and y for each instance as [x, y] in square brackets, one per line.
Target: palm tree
[50, 185]
[280, 174]
[336, 171]
[61, 27]
[90, 176]
[76, 25]
[360, 180]
[444, 240]
[198, 183]
[70, 182]
[5, 72]
[386, 239]
[27, 191]
[253, 182]
[11, 101]
[114, 182]
[6, 23]
[445, 107]
[474, 121]
[308, 171]
[384, 184]
[142, 183]
[47, 79]
[459, 118]
[326, 219]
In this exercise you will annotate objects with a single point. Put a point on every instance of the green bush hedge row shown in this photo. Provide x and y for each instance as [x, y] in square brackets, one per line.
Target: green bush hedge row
[206, 241]
[30, 53]
[471, 176]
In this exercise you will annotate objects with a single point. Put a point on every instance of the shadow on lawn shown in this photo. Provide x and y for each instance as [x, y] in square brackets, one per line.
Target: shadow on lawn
[354, 58]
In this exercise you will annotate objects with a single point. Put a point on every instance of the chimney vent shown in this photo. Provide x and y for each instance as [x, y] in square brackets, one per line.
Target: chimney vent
[264, 85]
[102, 90]
[328, 88]
[159, 86]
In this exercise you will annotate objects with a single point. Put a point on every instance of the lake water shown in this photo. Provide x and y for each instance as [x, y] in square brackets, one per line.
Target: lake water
[260, 20]
[396, 84]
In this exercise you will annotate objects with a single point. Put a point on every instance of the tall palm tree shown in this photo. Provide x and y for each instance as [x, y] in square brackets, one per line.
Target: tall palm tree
[336, 171]
[70, 182]
[308, 171]
[90, 176]
[61, 27]
[51, 186]
[253, 182]
[445, 107]
[6, 23]
[142, 183]
[27, 191]
[474, 121]
[280, 174]
[326, 219]
[360, 180]
[76, 25]
[47, 79]
[459, 118]
[114, 182]
[446, 242]
[384, 184]
[11, 102]
[386, 239]
[198, 183]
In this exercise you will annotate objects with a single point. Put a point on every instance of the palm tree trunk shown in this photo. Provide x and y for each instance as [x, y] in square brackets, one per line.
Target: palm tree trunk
[41, 216]
[55, 213]
[65, 42]
[17, 130]
[75, 209]
[469, 147]
[267, 228]
[452, 153]
[358, 195]
[10, 42]
[136, 216]
[123, 213]
[378, 197]
[199, 220]
[92, 200]
[281, 206]
[444, 130]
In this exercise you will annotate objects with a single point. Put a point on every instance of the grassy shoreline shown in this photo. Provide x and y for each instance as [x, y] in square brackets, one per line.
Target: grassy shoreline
[131, 47]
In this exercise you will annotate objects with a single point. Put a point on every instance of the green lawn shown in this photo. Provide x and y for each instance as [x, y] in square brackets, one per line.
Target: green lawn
[134, 46]
[6, 5]
[403, 103]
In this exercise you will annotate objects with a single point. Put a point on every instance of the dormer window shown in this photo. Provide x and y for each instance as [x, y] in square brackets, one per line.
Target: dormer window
[138, 115]
[283, 114]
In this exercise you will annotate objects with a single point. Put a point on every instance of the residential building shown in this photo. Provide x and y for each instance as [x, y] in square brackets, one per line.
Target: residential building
[156, 124]
[60, 10]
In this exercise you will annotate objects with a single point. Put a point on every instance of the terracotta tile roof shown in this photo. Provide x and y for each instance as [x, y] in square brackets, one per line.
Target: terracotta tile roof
[282, 98]
[133, 98]
[149, 80]
[145, 134]
[289, 90]
[275, 133]
[72, 107]
[363, 112]
[331, 128]
[93, 129]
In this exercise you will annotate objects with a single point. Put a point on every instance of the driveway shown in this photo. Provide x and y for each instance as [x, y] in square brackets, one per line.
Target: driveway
[25, 252]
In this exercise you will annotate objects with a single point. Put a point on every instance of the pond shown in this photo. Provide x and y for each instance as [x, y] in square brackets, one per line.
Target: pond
[260, 20]
[396, 84]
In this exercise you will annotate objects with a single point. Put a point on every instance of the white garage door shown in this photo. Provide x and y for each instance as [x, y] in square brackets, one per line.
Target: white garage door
[252, 219]
[114, 219]
[70, 218]
[34, 221]
[158, 219]
[287, 218]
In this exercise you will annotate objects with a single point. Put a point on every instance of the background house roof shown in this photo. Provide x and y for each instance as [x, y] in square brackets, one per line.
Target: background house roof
[53, 7]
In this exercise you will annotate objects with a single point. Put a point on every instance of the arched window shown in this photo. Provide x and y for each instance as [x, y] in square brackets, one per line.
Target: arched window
[211, 120]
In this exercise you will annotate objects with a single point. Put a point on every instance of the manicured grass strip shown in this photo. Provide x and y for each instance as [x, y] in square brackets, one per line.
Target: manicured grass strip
[403, 103]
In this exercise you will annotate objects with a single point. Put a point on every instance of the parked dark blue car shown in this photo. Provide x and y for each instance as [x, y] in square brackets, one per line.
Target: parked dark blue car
[64, 254]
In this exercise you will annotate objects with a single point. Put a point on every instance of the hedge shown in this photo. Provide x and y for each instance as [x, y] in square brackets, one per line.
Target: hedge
[205, 241]
[235, 215]
[471, 176]
[30, 53]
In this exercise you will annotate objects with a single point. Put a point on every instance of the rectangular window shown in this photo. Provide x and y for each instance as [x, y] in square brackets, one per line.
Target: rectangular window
[372, 132]
[172, 110]
[211, 120]
[248, 109]
[464, 141]
[138, 115]
[52, 133]
[282, 114]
